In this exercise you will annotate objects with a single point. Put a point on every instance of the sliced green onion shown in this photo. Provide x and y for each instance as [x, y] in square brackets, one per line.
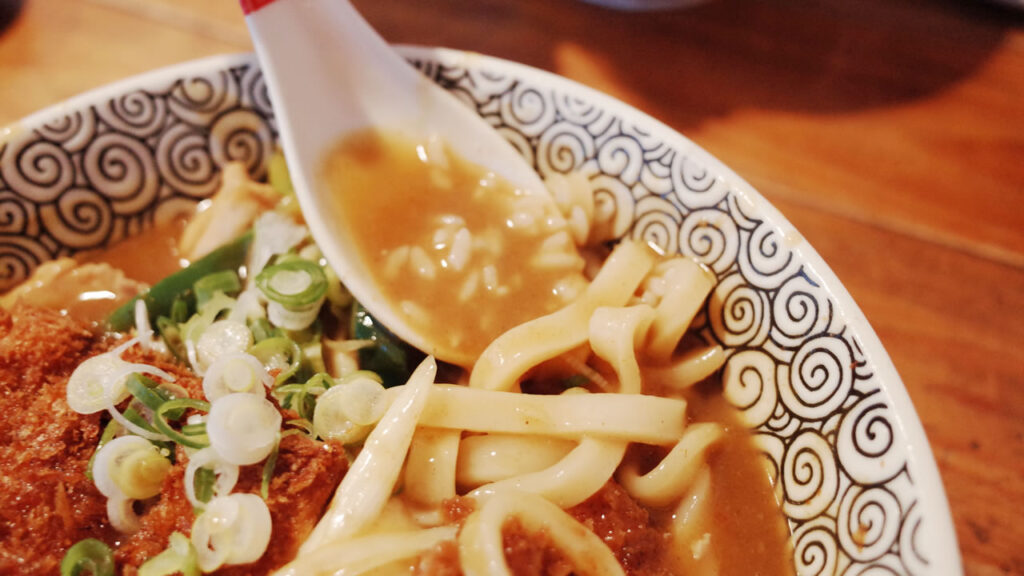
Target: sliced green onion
[151, 395]
[111, 429]
[295, 284]
[170, 332]
[204, 481]
[302, 426]
[268, 469]
[194, 429]
[262, 330]
[180, 309]
[219, 303]
[160, 420]
[142, 389]
[132, 415]
[224, 281]
[278, 176]
[281, 354]
[348, 411]
[89, 555]
[243, 428]
[302, 397]
[178, 558]
[358, 375]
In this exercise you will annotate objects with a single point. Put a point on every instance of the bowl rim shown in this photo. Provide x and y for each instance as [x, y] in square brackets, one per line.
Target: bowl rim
[944, 550]
[940, 539]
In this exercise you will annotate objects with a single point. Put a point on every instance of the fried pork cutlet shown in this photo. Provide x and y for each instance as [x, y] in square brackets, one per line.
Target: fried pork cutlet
[47, 503]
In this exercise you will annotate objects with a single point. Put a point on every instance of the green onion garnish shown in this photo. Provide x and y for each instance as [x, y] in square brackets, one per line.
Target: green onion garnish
[281, 353]
[302, 426]
[225, 281]
[204, 482]
[268, 469]
[194, 429]
[302, 397]
[89, 555]
[160, 420]
[278, 176]
[170, 331]
[262, 330]
[112, 428]
[180, 310]
[133, 416]
[143, 389]
[294, 284]
[179, 558]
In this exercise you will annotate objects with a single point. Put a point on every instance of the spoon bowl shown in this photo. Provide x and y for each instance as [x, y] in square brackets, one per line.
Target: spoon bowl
[330, 75]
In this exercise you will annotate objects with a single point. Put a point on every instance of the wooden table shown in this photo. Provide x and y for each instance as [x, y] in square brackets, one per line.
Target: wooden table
[830, 108]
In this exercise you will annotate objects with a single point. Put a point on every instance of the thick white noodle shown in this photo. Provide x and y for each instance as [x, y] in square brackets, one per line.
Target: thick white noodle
[487, 458]
[629, 417]
[482, 550]
[430, 470]
[365, 553]
[667, 482]
[510, 355]
[615, 334]
[687, 285]
[369, 482]
[689, 369]
[571, 480]
[689, 524]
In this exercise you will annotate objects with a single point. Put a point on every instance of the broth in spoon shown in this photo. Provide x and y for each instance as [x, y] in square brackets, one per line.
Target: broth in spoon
[459, 253]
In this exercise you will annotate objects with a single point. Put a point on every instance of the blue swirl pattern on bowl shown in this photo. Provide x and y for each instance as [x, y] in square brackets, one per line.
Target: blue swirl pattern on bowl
[120, 160]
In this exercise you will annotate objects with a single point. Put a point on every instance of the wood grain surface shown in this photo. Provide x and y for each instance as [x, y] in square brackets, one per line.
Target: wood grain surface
[890, 132]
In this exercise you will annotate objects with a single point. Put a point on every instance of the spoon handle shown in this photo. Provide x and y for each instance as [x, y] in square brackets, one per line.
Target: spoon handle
[330, 74]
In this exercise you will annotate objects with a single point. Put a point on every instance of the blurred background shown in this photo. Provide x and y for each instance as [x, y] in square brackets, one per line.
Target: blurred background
[830, 108]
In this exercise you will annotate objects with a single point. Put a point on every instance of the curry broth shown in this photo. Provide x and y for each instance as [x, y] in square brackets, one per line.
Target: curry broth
[745, 513]
[393, 193]
[147, 257]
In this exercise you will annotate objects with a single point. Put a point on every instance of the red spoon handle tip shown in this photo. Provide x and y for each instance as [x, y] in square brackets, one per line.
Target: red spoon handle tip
[250, 6]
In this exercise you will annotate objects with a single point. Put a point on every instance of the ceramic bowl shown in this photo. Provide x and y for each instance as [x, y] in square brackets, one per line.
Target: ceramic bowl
[856, 479]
